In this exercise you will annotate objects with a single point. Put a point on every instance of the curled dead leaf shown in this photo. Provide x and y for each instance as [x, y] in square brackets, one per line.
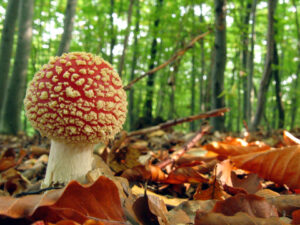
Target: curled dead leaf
[75, 202]
[151, 210]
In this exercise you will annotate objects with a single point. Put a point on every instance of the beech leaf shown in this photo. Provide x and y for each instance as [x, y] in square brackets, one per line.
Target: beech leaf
[235, 146]
[75, 202]
[251, 204]
[280, 165]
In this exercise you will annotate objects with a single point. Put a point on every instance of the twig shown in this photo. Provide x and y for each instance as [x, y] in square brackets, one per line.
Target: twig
[172, 59]
[184, 149]
[212, 113]
[36, 192]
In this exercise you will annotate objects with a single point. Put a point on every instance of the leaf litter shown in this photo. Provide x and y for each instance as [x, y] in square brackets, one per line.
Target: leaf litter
[159, 177]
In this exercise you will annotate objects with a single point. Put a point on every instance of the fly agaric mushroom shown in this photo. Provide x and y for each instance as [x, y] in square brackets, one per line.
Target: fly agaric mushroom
[76, 100]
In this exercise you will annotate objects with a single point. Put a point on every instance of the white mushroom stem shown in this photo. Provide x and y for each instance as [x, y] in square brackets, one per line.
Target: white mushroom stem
[68, 162]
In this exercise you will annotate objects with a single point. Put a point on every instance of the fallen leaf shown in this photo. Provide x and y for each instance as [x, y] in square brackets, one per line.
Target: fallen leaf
[150, 210]
[251, 183]
[279, 165]
[235, 146]
[167, 200]
[251, 204]
[185, 175]
[296, 217]
[75, 202]
[8, 159]
[204, 218]
[290, 139]
[211, 190]
[285, 204]
[190, 208]
[141, 172]
[13, 181]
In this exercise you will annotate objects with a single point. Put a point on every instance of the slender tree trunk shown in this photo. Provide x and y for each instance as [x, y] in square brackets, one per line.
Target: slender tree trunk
[202, 73]
[172, 83]
[131, 112]
[193, 88]
[245, 44]
[208, 92]
[122, 58]
[278, 93]
[264, 84]
[265, 81]
[17, 84]
[7, 40]
[297, 80]
[150, 80]
[66, 38]
[112, 33]
[219, 63]
[250, 64]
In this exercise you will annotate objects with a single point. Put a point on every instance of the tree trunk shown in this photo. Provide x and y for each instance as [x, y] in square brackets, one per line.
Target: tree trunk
[131, 111]
[193, 88]
[219, 63]
[172, 83]
[202, 73]
[250, 64]
[122, 58]
[7, 40]
[17, 84]
[112, 33]
[296, 82]
[66, 38]
[245, 43]
[278, 93]
[150, 80]
[264, 84]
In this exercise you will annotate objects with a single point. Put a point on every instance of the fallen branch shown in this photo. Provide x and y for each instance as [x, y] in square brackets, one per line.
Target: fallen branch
[174, 157]
[172, 59]
[212, 113]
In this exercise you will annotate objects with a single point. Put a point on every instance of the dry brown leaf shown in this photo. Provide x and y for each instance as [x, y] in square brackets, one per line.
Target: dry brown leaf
[185, 175]
[211, 190]
[173, 202]
[204, 218]
[251, 204]
[150, 210]
[235, 146]
[8, 159]
[75, 202]
[296, 217]
[251, 183]
[279, 165]
[285, 204]
[148, 172]
[13, 182]
[189, 208]
[290, 139]
[68, 222]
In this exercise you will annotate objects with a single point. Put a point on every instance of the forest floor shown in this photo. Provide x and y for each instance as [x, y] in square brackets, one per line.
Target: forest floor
[160, 177]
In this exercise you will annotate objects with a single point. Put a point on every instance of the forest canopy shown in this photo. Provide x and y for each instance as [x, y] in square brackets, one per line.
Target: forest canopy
[247, 57]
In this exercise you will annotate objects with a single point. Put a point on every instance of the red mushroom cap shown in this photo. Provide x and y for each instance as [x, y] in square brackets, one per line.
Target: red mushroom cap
[76, 98]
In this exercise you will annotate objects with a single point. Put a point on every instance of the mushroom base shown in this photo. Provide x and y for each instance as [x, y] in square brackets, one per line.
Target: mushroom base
[68, 162]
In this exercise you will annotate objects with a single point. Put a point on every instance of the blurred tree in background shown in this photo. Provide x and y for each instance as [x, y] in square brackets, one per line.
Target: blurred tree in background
[250, 61]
